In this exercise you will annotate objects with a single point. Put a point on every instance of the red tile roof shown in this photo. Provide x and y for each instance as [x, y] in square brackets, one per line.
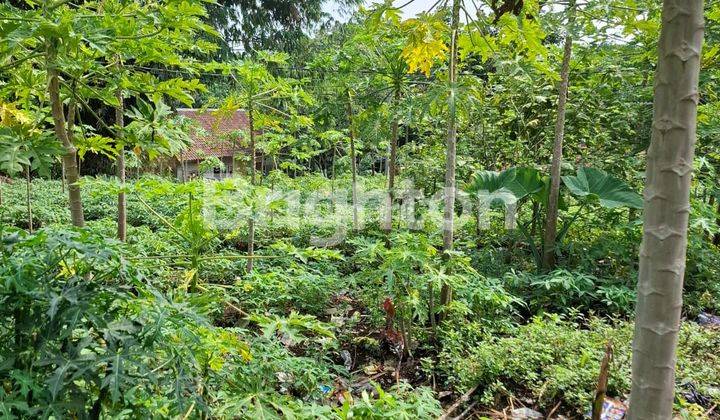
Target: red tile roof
[210, 138]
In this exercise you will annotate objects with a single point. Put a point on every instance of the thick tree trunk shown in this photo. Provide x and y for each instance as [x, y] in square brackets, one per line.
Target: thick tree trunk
[62, 176]
[548, 257]
[667, 207]
[391, 168]
[353, 163]
[121, 203]
[70, 156]
[28, 198]
[449, 215]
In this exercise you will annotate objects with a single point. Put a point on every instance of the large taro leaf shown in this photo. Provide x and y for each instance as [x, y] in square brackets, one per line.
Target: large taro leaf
[526, 181]
[505, 187]
[597, 184]
[489, 181]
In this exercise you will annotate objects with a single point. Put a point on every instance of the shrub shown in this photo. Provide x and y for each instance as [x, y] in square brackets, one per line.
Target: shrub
[554, 358]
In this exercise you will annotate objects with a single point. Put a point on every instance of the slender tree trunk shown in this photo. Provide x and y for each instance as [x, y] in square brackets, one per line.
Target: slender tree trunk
[332, 169]
[262, 166]
[251, 126]
[551, 220]
[601, 388]
[392, 168]
[716, 238]
[70, 156]
[449, 215]
[121, 203]
[667, 207]
[251, 220]
[353, 162]
[28, 198]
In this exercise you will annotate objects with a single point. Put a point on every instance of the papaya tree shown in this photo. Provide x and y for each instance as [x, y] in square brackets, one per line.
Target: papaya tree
[451, 147]
[79, 47]
[262, 95]
[341, 71]
[667, 207]
[381, 45]
[426, 45]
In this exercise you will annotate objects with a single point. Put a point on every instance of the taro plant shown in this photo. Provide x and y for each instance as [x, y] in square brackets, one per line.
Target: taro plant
[516, 186]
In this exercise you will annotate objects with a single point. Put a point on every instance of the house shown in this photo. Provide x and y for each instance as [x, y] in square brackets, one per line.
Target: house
[213, 136]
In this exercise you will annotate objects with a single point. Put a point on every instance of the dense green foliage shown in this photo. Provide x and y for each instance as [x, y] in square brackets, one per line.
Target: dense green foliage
[289, 289]
[118, 326]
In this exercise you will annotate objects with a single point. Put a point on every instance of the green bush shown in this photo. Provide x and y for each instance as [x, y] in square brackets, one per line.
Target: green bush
[558, 359]
[562, 290]
[49, 204]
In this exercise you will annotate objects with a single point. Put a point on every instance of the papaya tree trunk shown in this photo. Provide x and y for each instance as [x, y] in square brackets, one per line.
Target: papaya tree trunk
[548, 257]
[353, 163]
[667, 207]
[28, 198]
[62, 176]
[251, 220]
[70, 157]
[451, 152]
[391, 168]
[121, 203]
[251, 127]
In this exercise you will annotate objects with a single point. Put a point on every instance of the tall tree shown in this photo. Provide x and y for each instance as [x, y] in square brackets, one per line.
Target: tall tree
[247, 26]
[552, 205]
[63, 130]
[73, 42]
[667, 208]
[450, 159]
[384, 42]
[353, 160]
[120, 161]
[259, 92]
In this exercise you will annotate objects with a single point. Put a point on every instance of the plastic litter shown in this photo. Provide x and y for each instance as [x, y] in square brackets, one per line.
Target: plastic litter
[347, 359]
[525, 413]
[694, 396]
[708, 320]
[612, 410]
